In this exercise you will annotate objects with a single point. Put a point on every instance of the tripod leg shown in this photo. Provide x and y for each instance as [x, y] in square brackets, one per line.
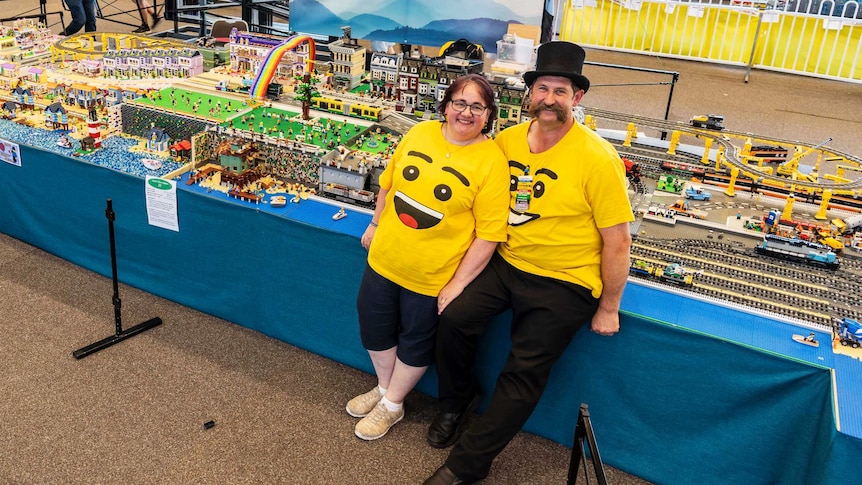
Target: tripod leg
[119, 333]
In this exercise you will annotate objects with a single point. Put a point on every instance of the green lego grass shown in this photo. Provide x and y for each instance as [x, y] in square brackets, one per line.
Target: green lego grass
[193, 103]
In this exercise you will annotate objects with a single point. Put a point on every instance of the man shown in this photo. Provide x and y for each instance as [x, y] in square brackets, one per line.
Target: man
[564, 264]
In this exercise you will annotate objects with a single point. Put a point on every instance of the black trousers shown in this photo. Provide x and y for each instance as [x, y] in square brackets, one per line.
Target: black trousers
[546, 314]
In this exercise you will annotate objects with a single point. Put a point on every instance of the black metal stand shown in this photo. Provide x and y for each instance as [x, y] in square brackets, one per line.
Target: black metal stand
[584, 431]
[119, 334]
[674, 79]
[257, 14]
[121, 12]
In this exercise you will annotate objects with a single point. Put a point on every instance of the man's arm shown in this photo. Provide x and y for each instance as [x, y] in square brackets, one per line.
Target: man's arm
[615, 270]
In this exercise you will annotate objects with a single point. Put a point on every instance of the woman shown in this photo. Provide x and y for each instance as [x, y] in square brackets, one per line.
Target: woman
[441, 210]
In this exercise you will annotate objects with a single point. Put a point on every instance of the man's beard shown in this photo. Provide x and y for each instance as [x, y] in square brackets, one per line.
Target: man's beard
[562, 116]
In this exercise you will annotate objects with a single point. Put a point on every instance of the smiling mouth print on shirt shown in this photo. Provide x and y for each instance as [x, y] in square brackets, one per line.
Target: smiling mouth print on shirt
[517, 218]
[411, 211]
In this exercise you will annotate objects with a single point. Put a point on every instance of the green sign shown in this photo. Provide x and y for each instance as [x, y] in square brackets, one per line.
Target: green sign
[159, 184]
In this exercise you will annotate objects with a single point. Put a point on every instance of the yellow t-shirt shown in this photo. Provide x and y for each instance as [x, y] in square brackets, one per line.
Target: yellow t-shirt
[436, 206]
[577, 186]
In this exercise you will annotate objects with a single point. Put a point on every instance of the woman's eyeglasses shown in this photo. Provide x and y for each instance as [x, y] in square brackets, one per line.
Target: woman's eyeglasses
[460, 105]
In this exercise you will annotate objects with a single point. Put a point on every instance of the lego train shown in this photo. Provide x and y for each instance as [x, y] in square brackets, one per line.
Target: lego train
[686, 169]
[347, 108]
[673, 273]
[713, 122]
[348, 194]
[800, 250]
[769, 153]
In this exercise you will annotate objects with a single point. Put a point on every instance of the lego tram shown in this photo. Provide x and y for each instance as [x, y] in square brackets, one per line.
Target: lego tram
[347, 108]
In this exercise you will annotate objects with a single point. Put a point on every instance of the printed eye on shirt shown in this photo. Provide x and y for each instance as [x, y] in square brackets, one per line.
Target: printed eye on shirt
[437, 202]
[413, 203]
[558, 200]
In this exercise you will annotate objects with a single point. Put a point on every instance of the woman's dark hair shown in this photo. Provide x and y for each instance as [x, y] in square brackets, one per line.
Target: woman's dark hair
[485, 91]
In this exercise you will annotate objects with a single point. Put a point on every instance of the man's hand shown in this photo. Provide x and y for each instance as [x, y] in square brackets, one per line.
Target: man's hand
[606, 323]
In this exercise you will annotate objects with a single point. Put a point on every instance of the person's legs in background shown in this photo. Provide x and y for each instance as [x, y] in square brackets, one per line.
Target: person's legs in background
[89, 15]
[144, 9]
[79, 16]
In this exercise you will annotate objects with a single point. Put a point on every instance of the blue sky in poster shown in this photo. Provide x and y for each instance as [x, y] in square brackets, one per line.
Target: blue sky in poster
[423, 22]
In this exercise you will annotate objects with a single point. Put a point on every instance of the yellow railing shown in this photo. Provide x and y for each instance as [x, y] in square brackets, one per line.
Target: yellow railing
[787, 40]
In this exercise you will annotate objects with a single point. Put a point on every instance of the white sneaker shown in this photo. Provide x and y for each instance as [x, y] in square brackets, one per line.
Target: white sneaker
[361, 405]
[378, 422]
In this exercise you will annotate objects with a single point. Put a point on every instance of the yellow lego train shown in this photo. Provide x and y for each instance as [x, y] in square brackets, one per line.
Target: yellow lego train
[347, 108]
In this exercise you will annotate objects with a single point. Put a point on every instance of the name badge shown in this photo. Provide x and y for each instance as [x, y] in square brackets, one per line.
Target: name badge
[524, 192]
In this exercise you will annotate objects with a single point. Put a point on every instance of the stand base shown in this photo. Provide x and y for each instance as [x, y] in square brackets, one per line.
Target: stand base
[113, 339]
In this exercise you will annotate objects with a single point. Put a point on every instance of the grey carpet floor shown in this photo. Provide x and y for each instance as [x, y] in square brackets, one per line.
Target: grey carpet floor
[134, 413]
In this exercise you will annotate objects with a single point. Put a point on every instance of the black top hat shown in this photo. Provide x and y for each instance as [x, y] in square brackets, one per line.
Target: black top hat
[559, 59]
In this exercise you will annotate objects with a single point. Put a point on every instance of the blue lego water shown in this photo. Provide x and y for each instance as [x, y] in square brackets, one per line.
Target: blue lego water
[114, 154]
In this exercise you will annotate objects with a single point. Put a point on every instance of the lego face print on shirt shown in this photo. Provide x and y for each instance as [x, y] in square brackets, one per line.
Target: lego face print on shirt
[427, 187]
[527, 189]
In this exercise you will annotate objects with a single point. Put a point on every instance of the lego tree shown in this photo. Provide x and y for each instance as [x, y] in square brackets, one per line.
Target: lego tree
[305, 90]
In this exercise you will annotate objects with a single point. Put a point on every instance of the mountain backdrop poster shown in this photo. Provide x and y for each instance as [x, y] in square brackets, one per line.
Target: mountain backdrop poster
[420, 22]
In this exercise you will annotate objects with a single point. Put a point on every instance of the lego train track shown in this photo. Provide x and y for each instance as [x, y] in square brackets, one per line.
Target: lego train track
[84, 44]
[735, 274]
[730, 150]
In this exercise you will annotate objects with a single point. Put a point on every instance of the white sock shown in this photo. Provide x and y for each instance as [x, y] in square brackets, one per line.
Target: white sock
[381, 390]
[391, 405]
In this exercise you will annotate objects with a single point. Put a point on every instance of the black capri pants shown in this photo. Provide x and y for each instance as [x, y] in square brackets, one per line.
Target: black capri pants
[392, 316]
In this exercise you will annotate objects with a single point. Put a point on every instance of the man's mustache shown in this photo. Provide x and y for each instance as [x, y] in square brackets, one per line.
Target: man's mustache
[560, 112]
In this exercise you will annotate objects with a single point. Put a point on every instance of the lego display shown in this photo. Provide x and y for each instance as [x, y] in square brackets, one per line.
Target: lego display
[770, 225]
[713, 122]
[848, 331]
[809, 340]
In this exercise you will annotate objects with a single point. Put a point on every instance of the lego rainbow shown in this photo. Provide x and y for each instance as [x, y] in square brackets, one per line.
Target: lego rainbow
[270, 64]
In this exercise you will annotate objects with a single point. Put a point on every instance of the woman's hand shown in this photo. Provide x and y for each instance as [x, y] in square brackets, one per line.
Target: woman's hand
[447, 294]
[368, 235]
